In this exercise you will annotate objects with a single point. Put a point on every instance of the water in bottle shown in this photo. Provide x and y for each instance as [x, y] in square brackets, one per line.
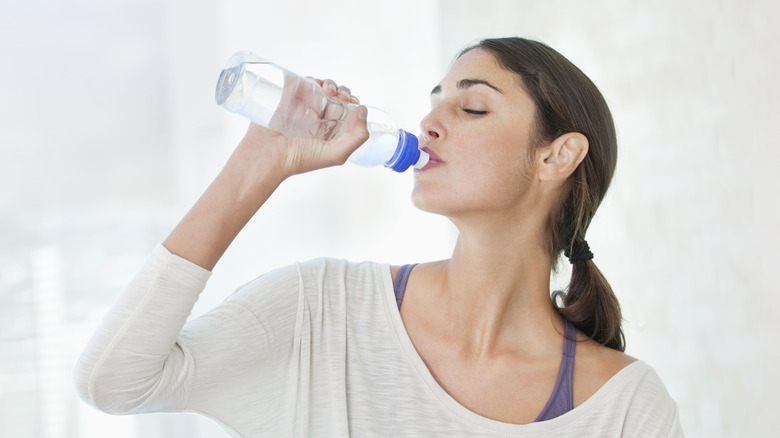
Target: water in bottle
[272, 96]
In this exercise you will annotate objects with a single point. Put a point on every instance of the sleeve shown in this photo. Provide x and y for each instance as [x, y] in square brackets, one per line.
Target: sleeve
[145, 357]
[652, 412]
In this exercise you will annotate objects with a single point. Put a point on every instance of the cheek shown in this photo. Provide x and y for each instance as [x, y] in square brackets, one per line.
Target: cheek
[504, 157]
[500, 175]
[496, 186]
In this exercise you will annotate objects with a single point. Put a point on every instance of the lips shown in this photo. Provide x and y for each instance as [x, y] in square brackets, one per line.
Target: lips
[433, 161]
[432, 154]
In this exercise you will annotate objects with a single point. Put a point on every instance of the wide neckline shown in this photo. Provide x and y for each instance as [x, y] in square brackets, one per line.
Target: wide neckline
[461, 412]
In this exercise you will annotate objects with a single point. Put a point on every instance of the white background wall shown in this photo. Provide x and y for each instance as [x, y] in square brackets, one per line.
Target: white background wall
[108, 132]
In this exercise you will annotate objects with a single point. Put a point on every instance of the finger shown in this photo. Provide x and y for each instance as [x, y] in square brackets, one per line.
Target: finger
[340, 92]
[317, 80]
[357, 130]
[344, 92]
[330, 87]
[346, 95]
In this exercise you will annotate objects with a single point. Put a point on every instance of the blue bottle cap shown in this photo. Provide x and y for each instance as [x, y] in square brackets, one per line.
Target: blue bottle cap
[406, 154]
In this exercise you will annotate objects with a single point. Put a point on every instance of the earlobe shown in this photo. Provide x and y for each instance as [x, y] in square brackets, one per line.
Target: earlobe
[562, 156]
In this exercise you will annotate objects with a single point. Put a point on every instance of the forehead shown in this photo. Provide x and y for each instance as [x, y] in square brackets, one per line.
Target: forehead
[479, 64]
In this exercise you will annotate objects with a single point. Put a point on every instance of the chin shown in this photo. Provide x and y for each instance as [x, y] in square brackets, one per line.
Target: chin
[429, 202]
[422, 201]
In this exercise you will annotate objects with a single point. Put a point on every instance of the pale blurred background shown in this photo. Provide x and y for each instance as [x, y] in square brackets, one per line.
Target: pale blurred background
[109, 132]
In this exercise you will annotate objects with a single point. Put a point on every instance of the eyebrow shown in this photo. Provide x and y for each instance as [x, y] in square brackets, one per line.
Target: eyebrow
[468, 83]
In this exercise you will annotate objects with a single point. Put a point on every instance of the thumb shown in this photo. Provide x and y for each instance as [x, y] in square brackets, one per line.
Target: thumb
[356, 133]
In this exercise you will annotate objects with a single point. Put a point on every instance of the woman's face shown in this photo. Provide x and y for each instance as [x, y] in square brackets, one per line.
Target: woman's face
[478, 134]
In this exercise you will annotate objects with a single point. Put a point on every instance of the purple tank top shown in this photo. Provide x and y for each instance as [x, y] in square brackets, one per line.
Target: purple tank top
[561, 400]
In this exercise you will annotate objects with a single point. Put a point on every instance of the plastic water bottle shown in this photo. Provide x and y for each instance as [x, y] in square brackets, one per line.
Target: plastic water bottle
[274, 97]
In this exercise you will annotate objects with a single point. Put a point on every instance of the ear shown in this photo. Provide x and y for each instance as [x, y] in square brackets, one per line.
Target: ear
[561, 157]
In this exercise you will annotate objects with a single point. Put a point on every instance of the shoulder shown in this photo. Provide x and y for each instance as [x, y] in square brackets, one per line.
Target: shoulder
[324, 268]
[594, 366]
[650, 409]
[338, 276]
[628, 386]
[310, 280]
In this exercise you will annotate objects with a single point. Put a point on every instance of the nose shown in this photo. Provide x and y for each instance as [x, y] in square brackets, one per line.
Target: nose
[431, 126]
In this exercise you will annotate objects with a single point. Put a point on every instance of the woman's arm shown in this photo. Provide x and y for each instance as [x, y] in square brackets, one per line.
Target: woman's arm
[135, 361]
[260, 163]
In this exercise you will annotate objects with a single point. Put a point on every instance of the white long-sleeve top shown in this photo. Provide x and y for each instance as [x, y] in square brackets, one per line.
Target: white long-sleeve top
[314, 349]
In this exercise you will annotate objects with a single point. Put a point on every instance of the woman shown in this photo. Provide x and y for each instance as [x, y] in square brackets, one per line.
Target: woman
[522, 150]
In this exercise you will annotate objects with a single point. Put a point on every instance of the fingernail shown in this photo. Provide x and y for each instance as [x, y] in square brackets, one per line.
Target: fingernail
[333, 87]
[363, 114]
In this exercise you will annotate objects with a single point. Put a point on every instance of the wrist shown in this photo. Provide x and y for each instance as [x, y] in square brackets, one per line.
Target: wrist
[252, 173]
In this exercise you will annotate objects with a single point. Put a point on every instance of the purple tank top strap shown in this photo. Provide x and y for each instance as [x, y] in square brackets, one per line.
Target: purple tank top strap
[561, 400]
[399, 282]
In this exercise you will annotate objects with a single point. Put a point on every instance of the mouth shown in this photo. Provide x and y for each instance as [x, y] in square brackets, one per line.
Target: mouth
[433, 161]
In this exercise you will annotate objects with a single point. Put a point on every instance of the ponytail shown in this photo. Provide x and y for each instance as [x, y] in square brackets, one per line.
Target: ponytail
[590, 305]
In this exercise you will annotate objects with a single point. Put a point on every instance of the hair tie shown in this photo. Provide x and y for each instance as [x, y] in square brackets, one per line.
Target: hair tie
[579, 252]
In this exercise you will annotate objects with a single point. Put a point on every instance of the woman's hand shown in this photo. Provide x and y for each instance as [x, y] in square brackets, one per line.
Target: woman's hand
[295, 154]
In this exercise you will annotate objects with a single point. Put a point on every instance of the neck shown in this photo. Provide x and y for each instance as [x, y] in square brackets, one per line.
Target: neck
[495, 290]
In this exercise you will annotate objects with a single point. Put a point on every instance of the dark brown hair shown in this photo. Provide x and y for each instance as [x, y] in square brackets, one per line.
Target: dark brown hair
[567, 101]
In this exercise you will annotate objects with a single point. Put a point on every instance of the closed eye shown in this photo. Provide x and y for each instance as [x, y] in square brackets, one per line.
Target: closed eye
[474, 112]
